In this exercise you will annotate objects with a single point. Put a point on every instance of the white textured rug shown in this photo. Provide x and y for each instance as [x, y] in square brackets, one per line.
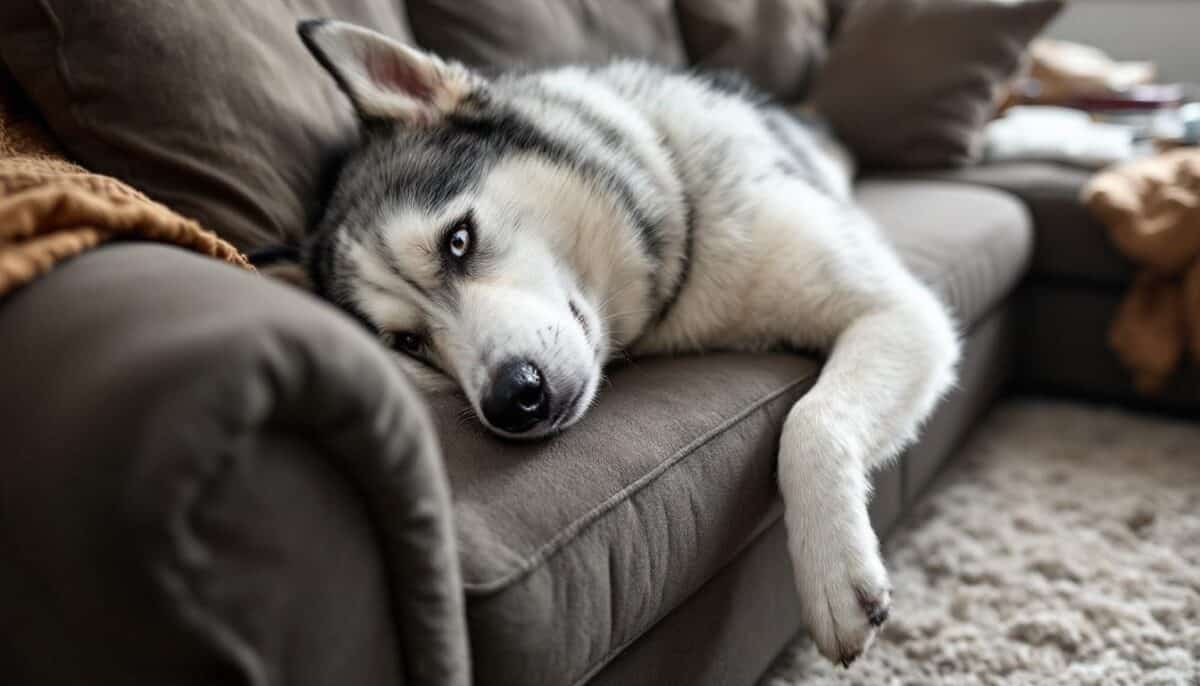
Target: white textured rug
[1062, 548]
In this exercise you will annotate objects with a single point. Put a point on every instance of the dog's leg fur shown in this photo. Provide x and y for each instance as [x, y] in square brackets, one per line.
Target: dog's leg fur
[894, 351]
[885, 373]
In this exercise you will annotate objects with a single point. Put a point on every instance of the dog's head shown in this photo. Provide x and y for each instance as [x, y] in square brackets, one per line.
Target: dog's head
[454, 233]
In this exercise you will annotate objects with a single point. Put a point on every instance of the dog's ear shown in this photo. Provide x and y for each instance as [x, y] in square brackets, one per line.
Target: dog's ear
[384, 78]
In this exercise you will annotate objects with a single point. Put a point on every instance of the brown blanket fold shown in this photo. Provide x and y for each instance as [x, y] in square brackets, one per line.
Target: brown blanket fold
[52, 209]
[1152, 210]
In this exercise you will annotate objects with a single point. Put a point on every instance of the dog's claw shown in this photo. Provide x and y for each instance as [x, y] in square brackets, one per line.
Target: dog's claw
[876, 611]
[846, 604]
[877, 616]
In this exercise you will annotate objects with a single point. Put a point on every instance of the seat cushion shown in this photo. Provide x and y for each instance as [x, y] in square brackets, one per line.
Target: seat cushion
[575, 546]
[971, 245]
[1069, 244]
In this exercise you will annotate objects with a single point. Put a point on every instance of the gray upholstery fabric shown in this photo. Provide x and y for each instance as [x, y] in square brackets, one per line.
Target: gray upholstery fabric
[510, 33]
[778, 44]
[731, 628]
[573, 547]
[1070, 244]
[215, 110]
[727, 633]
[972, 245]
[284, 555]
[1065, 350]
[207, 477]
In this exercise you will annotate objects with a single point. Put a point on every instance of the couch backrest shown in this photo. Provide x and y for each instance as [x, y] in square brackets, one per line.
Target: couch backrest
[221, 113]
[777, 43]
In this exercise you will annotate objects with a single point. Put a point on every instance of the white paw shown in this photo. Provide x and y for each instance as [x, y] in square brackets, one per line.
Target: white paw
[844, 591]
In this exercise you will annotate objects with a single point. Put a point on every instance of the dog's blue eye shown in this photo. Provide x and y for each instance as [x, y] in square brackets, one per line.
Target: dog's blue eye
[458, 244]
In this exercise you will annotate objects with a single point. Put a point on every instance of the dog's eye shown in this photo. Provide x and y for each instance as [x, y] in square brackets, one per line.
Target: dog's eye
[405, 342]
[458, 243]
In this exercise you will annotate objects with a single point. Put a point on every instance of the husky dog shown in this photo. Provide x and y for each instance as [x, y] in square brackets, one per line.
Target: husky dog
[509, 235]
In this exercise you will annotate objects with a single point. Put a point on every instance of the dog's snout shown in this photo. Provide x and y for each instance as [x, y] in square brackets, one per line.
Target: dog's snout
[517, 399]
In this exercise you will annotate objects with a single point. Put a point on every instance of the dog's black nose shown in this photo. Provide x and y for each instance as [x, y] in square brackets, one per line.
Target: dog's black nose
[516, 401]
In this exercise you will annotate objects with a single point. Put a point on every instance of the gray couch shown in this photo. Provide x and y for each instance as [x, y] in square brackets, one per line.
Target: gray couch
[191, 493]
[210, 478]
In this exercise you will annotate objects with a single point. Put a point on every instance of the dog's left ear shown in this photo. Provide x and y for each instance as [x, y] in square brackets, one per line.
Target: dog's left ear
[384, 78]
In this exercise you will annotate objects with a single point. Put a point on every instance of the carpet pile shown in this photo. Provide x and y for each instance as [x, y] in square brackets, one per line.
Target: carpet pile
[1062, 547]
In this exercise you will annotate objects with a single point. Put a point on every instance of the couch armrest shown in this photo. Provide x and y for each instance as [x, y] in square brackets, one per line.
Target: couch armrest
[206, 477]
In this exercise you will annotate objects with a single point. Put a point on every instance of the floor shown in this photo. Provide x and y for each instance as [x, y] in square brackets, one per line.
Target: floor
[1062, 548]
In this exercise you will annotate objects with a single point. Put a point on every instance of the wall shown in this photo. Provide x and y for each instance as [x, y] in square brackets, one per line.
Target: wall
[1164, 31]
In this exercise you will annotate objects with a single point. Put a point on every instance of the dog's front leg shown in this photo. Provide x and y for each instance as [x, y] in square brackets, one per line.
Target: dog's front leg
[885, 373]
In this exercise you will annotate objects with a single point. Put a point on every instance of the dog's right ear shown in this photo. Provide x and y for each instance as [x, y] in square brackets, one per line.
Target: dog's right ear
[384, 78]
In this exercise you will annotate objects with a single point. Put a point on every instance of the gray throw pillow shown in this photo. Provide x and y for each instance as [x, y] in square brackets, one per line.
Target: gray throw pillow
[910, 83]
[778, 44]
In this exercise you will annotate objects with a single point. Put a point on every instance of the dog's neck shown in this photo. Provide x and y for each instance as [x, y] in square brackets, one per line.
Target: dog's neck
[633, 284]
[632, 288]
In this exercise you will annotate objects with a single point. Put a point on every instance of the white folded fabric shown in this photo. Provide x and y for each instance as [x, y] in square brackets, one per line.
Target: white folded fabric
[1057, 134]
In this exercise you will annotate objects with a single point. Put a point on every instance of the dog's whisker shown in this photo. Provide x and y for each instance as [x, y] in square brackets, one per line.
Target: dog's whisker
[611, 296]
[641, 310]
[616, 294]
[608, 319]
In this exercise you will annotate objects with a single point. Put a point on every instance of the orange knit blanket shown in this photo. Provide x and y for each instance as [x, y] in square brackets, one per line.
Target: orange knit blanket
[52, 209]
[1152, 210]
